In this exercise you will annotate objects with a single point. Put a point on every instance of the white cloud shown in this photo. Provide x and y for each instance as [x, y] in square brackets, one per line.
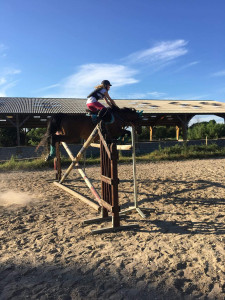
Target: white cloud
[218, 74]
[148, 95]
[2, 80]
[189, 97]
[88, 76]
[162, 52]
[7, 80]
[48, 88]
[200, 118]
[2, 47]
[7, 86]
[2, 50]
[187, 66]
[11, 71]
[7, 74]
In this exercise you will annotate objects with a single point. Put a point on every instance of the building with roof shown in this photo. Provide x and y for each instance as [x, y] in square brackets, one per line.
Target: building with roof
[35, 112]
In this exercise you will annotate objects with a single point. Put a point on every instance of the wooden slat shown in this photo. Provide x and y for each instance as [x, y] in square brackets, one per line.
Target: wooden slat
[119, 147]
[106, 205]
[104, 143]
[106, 179]
[77, 195]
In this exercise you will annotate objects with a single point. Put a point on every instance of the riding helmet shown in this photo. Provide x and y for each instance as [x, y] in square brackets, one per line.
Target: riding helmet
[106, 82]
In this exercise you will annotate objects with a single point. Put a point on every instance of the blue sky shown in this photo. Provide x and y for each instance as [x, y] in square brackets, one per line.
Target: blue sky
[148, 49]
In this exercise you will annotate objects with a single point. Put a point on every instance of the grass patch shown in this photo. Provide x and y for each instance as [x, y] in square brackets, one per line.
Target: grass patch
[13, 164]
[177, 152]
[180, 152]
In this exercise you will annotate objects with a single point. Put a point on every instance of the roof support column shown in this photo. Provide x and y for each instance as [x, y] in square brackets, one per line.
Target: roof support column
[184, 123]
[150, 133]
[185, 128]
[18, 125]
[17, 130]
[177, 132]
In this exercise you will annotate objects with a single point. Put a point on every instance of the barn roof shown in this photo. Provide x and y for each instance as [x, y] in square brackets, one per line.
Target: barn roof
[78, 106]
[34, 112]
[42, 105]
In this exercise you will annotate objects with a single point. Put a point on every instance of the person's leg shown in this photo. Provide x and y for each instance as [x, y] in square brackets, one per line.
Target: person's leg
[95, 106]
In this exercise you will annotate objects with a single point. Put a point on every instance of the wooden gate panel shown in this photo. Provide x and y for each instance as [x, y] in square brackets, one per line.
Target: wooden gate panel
[109, 180]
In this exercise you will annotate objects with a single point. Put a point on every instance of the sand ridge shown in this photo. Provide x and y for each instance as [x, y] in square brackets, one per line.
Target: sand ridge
[178, 252]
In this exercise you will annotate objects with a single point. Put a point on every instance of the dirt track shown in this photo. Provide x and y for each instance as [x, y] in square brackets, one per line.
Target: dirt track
[177, 252]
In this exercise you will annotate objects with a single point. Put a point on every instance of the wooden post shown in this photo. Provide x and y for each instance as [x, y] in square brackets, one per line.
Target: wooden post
[57, 162]
[150, 131]
[177, 133]
[114, 186]
[17, 130]
[185, 127]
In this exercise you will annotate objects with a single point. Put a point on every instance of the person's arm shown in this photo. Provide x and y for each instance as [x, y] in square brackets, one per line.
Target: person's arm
[108, 100]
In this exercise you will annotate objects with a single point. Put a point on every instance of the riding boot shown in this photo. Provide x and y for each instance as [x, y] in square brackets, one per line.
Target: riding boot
[52, 153]
[53, 139]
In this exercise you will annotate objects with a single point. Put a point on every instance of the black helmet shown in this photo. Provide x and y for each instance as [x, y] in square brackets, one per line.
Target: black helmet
[106, 82]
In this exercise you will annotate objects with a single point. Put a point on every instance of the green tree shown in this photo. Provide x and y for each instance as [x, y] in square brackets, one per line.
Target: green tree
[210, 129]
[34, 136]
[8, 137]
[159, 132]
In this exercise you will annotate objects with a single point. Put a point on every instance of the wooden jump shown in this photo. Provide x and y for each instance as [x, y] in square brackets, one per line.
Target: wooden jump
[109, 187]
[109, 201]
[75, 164]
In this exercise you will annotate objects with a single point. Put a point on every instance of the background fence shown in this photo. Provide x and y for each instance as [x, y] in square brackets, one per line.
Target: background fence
[23, 152]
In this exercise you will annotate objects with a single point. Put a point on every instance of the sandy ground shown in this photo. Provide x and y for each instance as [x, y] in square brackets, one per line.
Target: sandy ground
[178, 252]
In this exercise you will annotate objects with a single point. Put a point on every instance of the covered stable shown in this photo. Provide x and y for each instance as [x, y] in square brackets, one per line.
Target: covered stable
[34, 112]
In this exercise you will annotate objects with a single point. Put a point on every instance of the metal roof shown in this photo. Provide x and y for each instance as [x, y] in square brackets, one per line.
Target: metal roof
[34, 112]
[42, 105]
[78, 106]
[175, 107]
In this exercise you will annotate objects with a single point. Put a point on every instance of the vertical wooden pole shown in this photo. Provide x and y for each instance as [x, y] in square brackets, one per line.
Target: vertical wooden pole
[104, 211]
[177, 133]
[17, 130]
[114, 186]
[150, 132]
[58, 162]
[185, 128]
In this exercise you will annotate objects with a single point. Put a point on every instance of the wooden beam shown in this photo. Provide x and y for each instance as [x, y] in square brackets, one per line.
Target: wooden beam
[177, 133]
[77, 195]
[119, 147]
[150, 133]
[17, 130]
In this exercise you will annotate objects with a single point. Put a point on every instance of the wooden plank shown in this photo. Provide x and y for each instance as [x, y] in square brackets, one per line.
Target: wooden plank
[68, 151]
[109, 180]
[77, 195]
[79, 154]
[106, 179]
[104, 142]
[119, 147]
[106, 205]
